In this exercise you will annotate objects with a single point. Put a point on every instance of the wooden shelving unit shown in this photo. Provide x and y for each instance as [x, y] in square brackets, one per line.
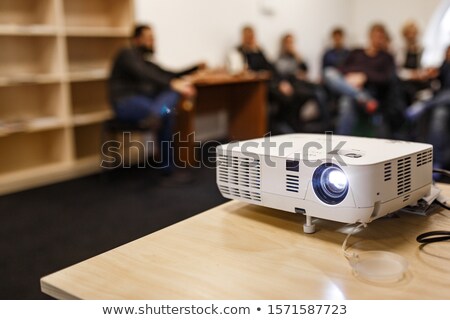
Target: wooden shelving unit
[90, 136]
[28, 13]
[92, 54]
[54, 61]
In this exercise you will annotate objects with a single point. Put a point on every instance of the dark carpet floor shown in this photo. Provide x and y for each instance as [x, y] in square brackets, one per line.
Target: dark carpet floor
[50, 228]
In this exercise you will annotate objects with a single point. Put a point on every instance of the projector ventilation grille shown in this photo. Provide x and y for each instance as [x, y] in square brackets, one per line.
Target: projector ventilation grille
[239, 177]
[387, 171]
[424, 157]
[403, 176]
[292, 183]
[240, 193]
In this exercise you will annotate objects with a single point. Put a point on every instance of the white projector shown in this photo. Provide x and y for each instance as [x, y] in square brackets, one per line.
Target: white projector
[340, 178]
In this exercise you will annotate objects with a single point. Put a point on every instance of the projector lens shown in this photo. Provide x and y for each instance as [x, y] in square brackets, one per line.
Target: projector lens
[330, 183]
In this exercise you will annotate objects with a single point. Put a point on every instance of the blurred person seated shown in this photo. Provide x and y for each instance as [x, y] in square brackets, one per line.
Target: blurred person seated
[251, 52]
[336, 55]
[415, 79]
[255, 60]
[438, 110]
[365, 82]
[333, 59]
[293, 89]
[140, 90]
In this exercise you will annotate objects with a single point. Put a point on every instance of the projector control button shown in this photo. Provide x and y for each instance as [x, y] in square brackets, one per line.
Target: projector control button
[353, 155]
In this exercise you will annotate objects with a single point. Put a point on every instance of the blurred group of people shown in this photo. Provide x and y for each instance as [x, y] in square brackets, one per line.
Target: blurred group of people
[364, 91]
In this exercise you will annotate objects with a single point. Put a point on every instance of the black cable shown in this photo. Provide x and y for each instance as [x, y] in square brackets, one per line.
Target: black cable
[433, 236]
[442, 205]
[442, 171]
[436, 236]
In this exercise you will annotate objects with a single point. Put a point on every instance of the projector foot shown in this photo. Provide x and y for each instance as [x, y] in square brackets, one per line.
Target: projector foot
[309, 226]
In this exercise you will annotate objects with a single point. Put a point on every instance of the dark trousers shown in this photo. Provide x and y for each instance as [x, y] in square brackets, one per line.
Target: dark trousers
[139, 107]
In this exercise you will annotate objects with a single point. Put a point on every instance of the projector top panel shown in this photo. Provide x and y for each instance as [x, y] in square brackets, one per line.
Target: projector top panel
[311, 147]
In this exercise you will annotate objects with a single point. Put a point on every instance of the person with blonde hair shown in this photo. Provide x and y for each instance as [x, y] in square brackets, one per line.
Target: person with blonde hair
[414, 78]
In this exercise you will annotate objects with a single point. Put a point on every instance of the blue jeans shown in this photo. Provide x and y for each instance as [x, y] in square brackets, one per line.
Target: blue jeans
[349, 116]
[416, 110]
[336, 82]
[139, 107]
[348, 103]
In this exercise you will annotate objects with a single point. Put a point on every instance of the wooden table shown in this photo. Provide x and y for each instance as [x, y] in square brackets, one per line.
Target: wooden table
[243, 97]
[241, 251]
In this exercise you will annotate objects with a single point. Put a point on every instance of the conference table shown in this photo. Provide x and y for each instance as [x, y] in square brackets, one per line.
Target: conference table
[243, 251]
[243, 97]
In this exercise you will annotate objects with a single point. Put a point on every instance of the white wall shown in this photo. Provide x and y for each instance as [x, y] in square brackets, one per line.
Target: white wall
[311, 22]
[192, 30]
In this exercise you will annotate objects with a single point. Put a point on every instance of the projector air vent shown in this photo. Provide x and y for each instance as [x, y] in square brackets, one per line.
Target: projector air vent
[403, 176]
[387, 171]
[239, 176]
[292, 183]
[424, 157]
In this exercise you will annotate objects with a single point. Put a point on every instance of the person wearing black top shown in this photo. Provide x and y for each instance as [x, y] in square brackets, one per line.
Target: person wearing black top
[414, 77]
[293, 86]
[371, 69]
[139, 89]
[253, 55]
[335, 56]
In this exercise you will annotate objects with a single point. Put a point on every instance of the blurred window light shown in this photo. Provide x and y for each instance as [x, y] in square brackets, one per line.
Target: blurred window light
[437, 36]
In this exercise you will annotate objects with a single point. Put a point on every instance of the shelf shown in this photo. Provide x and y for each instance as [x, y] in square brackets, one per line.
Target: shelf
[29, 30]
[88, 141]
[88, 164]
[89, 96]
[27, 102]
[27, 56]
[55, 58]
[34, 177]
[98, 31]
[29, 79]
[32, 150]
[91, 118]
[87, 54]
[43, 124]
[27, 12]
[98, 13]
[35, 125]
[89, 75]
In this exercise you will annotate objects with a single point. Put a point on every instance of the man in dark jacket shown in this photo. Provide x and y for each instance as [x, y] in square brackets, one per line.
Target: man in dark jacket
[139, 89]
[335, 56]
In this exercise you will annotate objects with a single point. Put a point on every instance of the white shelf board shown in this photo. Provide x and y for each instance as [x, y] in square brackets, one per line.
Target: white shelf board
[82, 31]
[92, 117]
[28, 30]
